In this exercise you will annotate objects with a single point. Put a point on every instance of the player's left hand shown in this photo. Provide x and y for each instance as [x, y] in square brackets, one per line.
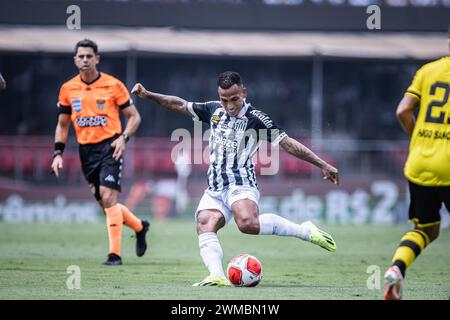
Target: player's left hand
[119, 147]
[331, 173]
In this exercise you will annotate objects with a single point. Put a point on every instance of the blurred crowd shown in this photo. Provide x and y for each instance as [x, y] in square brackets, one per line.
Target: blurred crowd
[360, 104]
[358, 113]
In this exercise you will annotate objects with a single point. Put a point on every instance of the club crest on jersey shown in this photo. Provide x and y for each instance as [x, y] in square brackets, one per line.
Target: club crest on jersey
[76, 105]
[215, 119]
[100, 104]
[240, 125]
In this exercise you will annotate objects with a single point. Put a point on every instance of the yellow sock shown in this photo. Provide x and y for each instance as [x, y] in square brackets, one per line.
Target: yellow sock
[114, 221]
[411, 245]
[129, 219]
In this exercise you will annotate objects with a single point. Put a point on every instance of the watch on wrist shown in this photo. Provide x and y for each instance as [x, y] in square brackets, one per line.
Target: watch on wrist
[57, 153]
[59, 149]
[126, 137]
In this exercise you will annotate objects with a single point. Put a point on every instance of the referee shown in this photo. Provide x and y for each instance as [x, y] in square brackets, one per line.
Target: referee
[92, 101]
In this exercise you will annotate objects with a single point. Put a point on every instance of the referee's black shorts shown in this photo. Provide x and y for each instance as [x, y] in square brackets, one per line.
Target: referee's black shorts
[99, 167]
[426, 202]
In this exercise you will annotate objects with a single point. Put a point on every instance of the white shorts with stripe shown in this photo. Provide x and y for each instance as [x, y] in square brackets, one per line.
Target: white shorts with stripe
[222, 200]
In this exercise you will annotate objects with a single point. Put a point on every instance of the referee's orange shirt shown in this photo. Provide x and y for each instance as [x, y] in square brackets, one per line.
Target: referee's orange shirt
[94, 107]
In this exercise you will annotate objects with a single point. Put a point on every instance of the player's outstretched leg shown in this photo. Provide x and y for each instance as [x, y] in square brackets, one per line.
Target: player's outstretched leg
[320, 237]
[212, 255]
[211, 281]
[272, 224]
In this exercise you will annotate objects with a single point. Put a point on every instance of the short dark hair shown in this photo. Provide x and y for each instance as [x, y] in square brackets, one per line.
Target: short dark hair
[86, 43]
[229, 78]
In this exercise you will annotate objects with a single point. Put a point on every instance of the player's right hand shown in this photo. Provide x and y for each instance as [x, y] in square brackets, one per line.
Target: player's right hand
[331, 173]
[57, 164]
[139, 90]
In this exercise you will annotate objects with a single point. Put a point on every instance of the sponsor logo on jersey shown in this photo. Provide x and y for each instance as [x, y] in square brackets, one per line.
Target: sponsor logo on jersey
[229, 145]
[76, 104]
[97, 121]
[101, 104]
[265, 119]
[215, 119]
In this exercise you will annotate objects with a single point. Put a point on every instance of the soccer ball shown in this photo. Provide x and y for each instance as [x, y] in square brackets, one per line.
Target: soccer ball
[244, 271]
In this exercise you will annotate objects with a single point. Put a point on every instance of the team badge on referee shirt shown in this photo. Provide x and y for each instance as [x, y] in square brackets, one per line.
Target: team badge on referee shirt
[76, 104]
[100, 104]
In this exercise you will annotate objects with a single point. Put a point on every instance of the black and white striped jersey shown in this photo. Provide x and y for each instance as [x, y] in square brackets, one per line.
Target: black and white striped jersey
[233, 141]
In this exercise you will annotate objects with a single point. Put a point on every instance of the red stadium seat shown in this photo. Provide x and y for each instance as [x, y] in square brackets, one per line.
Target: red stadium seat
[7, 161]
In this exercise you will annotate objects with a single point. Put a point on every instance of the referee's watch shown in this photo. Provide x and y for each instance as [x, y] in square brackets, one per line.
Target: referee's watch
[126, 137]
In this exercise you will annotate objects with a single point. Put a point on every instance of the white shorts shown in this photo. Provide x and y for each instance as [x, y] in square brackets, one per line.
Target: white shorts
[222, 200]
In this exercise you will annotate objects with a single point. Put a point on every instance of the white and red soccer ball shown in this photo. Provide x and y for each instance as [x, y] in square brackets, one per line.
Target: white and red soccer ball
[244, 271]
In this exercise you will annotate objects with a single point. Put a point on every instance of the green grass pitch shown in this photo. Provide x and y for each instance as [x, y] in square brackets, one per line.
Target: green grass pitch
[34, 259]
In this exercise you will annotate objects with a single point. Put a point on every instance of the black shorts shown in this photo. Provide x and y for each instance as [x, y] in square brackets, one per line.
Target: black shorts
[426, 202]
[99, 167]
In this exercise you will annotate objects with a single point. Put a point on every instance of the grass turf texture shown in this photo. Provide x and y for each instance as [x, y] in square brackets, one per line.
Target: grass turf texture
[34, 258]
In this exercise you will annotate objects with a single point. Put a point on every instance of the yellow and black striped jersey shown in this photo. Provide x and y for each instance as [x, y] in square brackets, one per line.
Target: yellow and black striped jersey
[428, 162]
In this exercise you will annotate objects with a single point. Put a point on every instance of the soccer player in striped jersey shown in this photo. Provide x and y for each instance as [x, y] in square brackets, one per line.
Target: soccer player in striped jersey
[427, 168]
[237, 129]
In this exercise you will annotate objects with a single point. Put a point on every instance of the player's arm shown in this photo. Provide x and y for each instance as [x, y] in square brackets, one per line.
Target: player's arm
[133, 122]
[2, 83]
[61, 133]
[298, 150]
[405, 113]
[172, 103]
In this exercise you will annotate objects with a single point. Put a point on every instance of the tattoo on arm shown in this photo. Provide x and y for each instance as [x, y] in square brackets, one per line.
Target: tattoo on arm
[300, 151]
[171, 103]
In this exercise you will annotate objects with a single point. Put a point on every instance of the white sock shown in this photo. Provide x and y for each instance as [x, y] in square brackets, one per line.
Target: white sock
[270, 223]
[211, 253]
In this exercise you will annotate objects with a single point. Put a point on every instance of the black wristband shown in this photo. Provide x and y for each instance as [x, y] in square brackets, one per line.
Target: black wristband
[126, 137]
[59, 149]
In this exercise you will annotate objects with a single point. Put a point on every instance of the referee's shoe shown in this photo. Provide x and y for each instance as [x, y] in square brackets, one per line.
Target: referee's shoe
[141, 242]
[113, 260]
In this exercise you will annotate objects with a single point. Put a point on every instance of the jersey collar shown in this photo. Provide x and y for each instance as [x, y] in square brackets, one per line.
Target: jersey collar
[243, 110]
[89, 83]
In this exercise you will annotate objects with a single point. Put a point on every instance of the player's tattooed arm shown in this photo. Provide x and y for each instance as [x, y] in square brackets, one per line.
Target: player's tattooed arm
[298, 150]
[172, 103]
